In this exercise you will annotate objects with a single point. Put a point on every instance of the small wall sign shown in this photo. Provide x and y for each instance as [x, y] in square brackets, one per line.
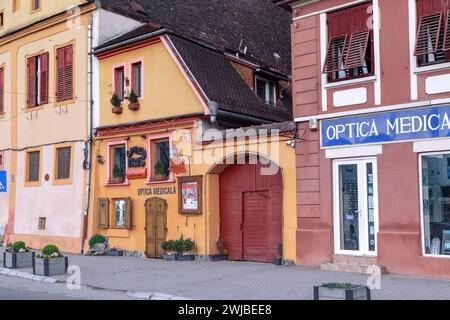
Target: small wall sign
[3, 182]
[190, 195]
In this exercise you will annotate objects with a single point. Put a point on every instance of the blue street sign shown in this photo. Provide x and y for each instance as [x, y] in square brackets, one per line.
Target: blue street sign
[412, 124]
[3, 181]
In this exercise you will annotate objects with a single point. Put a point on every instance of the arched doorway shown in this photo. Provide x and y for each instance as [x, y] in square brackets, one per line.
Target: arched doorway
[155, 226]
[251, 212]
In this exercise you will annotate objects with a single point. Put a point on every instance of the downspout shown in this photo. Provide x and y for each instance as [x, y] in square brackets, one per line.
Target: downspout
[88, 159]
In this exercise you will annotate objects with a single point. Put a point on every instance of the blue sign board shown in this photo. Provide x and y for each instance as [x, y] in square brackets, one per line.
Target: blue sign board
[415, 124]
[3, 181]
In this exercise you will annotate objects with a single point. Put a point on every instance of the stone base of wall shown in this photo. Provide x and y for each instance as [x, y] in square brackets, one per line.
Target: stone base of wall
[37, 242]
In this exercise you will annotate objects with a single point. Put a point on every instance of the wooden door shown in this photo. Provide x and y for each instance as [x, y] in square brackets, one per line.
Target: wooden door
[156, 226]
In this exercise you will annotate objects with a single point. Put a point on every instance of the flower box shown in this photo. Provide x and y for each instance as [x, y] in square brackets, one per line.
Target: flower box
[133, 106]
[169, 257]
[218, 257]
[50, 267]
[351, 293]
[184, 257]
[14, 260]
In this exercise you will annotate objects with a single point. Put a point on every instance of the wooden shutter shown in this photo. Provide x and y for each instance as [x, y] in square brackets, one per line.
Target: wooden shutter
[31, 66]
[335, 53]
[68, 55]
[60, 62]
[44, 78]
[103, 210]
[2, 88]
[127, 213]
[428, 34]
[357, 48]
[447, 32]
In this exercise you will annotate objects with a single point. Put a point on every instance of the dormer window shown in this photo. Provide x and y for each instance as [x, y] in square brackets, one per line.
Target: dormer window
[266, 90]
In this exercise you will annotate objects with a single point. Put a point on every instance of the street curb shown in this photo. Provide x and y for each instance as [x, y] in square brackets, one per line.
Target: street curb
[24, 275]
[153, 296]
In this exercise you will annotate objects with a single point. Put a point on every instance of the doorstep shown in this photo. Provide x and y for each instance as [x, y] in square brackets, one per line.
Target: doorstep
[352, 264]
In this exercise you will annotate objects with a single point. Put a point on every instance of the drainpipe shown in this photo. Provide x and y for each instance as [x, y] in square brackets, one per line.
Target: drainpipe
[214, 113]
[88, 159]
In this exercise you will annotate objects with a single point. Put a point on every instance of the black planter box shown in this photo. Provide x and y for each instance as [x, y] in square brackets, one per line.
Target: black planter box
[218, 257]
[278, 262]
[115, 253]
[180, 257]
[357, 293]
[169, 257]
[14, 260]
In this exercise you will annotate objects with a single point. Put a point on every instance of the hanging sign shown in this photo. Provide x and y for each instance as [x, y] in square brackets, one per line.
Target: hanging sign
[190, 195]
[177, 166]
[3, 182]
[404, 125]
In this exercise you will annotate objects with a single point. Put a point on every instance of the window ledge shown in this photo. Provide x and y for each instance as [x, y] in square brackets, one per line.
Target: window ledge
[109, 184]
[161, 182]
[350, 82]
[441, 256]
[433, 67]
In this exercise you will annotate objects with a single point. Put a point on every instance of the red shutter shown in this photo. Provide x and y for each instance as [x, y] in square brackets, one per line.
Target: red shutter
[357, 49]
[69, 72]
[2, 110]
[447, 32]
[428, 34]
[60, 92]
[31, 82]
[335, 54]
[44, 78]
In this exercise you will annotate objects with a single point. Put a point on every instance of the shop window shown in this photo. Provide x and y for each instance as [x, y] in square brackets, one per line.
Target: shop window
[122, 213]
[64, 63]
[33, 167]
[350, 44]
[119, 82]
[2, 91]
[136, 78]
[103, 211]
[41, 223]
[436, 203]
[433, 32]
[37, 80]
[266, 90]
[63, 159]
[160, 159]
[117, 172]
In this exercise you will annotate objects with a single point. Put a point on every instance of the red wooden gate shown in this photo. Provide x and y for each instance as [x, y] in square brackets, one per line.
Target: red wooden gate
[250, 213]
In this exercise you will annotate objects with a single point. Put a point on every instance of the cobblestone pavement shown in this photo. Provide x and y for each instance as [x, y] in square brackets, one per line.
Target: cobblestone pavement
[231, 280]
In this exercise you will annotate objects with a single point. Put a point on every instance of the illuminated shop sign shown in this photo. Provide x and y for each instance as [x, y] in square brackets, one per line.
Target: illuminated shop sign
[403, 125]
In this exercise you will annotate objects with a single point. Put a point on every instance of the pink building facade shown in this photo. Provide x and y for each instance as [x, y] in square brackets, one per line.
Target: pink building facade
[372, 104]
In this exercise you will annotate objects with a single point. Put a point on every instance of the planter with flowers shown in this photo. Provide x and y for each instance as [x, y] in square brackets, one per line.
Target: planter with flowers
[116, 104]
[50, 262]
[184, 248]
[17, 255]
[134, 101]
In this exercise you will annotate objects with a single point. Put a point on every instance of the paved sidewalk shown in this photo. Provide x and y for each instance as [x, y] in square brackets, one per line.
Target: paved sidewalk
[235, 280]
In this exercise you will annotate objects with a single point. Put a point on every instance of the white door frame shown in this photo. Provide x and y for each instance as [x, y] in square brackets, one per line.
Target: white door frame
[362, 206]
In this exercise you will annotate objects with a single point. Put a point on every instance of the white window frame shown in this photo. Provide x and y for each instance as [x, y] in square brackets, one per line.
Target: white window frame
[422, 222]
[150, 140]
[268, 82]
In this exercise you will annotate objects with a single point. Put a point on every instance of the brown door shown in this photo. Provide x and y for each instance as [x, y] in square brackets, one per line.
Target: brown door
[156, 226]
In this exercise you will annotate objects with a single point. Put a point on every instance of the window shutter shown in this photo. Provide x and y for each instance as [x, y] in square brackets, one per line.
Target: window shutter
[103, 209]
[428, 34]
[447, 32]
[44, 78]
[335, 54]
[127, 213]
[60, 93]
[2, 108]
[68, 72]
[31, 82]
[357, 49]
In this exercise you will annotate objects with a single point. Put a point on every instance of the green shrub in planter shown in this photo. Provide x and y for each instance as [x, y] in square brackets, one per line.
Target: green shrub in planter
[96, 238]
[182, 246]
[50, 250]
[50, 262]
[17, 247]
[17, 255]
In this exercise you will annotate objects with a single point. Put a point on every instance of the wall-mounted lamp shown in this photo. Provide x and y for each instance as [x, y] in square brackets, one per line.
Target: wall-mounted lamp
[99, 159]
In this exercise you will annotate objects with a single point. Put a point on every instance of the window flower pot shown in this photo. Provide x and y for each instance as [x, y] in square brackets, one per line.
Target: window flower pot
[117, 110]
[351, 293]
[133, 106]
[50, 267]
[14, 260]
[183, 257]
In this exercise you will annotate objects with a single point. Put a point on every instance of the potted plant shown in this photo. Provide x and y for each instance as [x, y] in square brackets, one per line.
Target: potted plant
[168, 247]
[118, 175]
[17, 255]
[279, 261]
[183, 246]
[50, 262]
[116, 103]
[160, 172]
[98, 245]
[341, 291]
[134, 101]
[222, 252]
